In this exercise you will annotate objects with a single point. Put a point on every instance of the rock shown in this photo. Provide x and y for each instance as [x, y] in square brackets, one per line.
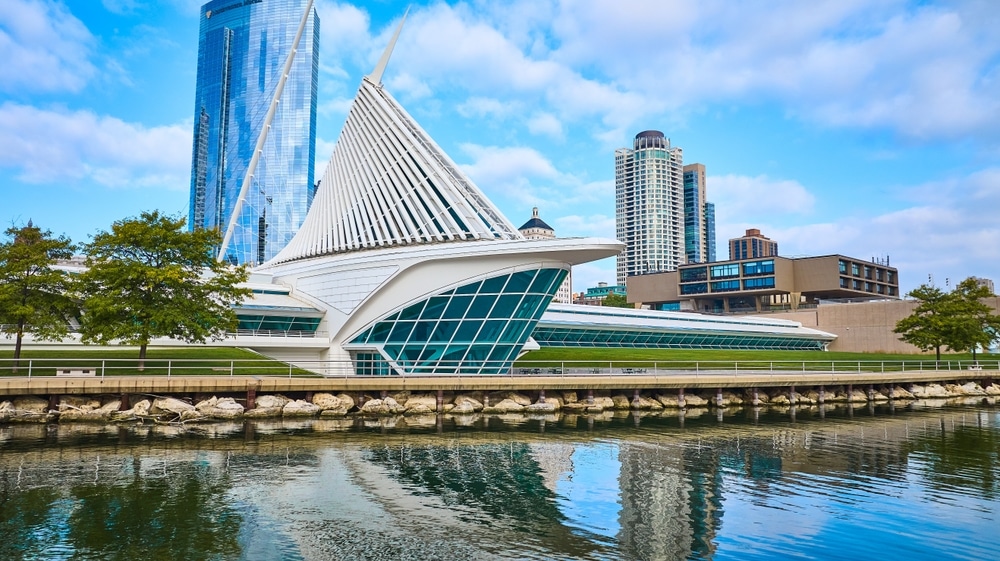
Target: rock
[694, 400]
[505, 406]
[728, 399]
[575, 407]
[347, 401]
[857, 396]
[780, 399]
[928, 391]
[271, 401]
[972, 388]
[382, 407]
[899, 393]
[556, 402]
[401, 397]
[423, 400]
[541, 407]
[112, 406]
[420, 409]
[517, 398]
[326, 401]
[164, 405]
[569, 397]
[465, 398]
[593, 410]
[262, 412]
[620, 401]
[6, 410]
[668, 400]
[85, 415]
[300, 408]
[341, 412]
[86, 403]
[992, 389]
[225, 408]
[31, 405]
[142, 408]
[802, 399]
[647, 404]
[879, 396]
[604, 402]
[206, 404]
[193, 415]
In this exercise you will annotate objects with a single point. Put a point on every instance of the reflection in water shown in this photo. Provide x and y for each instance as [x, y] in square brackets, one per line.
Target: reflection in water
[823, 484]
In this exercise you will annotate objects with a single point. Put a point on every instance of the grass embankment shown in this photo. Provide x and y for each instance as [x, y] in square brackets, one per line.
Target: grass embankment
[729, 359]
[182, 361]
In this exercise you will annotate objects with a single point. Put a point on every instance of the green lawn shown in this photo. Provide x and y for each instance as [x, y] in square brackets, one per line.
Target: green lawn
[728, 359]
[184, 361]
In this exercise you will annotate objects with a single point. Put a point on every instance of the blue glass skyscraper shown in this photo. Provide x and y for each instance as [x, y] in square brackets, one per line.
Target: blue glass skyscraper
[243, 45]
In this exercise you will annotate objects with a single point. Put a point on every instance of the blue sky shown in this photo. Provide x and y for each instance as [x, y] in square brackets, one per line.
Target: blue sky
[862, 127]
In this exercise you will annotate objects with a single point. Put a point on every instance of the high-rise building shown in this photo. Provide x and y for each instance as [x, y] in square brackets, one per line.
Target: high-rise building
[699, 217]
[537, 229]
[649, 205]
[752, 245]
[242, 49]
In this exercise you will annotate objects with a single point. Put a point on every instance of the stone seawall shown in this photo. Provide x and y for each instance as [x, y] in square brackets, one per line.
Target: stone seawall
[192, 407]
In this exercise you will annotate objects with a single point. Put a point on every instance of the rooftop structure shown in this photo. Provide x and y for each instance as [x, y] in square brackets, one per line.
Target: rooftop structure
[752, 245]
[536, 229]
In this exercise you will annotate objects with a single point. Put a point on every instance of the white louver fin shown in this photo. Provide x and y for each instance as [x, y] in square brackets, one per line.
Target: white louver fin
[388, 183]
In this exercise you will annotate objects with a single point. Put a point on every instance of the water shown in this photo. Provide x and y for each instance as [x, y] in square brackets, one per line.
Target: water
[837, 484]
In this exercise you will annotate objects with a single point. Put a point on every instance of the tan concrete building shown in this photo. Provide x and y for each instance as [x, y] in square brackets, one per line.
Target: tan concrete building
[863, 326]
[537, 229]
[755, 285]
[752, 245]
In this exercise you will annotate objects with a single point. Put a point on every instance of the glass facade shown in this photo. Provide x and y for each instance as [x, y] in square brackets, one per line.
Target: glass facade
[632, 338]
[241, 51]
[477, 328]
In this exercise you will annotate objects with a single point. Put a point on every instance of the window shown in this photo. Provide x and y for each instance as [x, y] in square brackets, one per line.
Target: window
[755, 268]
[855, 269]
[726, 286]
[843, 267]
[843, 282]
[698, 288]
[694, 274]
[868, 272]
[879, 274]
[856, 284]
[725, 271]
[758, 283]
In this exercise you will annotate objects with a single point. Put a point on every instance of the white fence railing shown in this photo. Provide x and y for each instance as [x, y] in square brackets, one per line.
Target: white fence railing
[82, 366]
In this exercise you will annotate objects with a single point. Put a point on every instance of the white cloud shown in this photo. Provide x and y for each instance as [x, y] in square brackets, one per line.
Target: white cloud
[48, 146]
[43, 47]
[324, 149]
[487, 107]
[344, 35]
[574, 225]
[545, 124]
[121, 7]
[738, 198]
[407, 86]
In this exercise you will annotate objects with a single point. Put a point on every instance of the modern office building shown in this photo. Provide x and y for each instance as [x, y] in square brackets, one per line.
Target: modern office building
[537, 229]
[985, 283]
[242, 49]
[595, 295]
[756, 285]
[699, 217]
[752, 245]
[649, 206]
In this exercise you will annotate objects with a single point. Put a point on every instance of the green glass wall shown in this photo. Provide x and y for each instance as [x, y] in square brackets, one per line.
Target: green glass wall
[624, 338]
[477, 328]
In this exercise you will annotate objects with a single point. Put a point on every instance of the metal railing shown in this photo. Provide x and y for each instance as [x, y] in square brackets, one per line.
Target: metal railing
[83, 366]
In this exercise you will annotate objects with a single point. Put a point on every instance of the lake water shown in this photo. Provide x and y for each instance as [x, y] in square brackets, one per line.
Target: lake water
[868, 482]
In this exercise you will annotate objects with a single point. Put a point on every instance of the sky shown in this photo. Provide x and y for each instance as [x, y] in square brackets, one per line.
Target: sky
[869, 128]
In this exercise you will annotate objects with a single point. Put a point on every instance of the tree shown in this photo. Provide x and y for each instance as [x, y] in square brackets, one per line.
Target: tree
[929, 326]
[978, 325]
[958, 320]
[150, 277]
[616, 301]
[34, 297]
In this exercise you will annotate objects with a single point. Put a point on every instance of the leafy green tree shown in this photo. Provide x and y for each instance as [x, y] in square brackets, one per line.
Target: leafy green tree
[616, 301]
[149, 277]
[958, 320]
[34, 297]
[930, 325]
[976, 325]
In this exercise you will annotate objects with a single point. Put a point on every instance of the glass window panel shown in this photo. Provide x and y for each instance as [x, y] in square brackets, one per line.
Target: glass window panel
[393, 351]
[490, 332]
[466, 332]
[543, 281]
[493, 285]
[363, 337]
[469, 288]
[481, 306]
[422, 331]
[380, 332]
[506, 306]
[512, 333]
[457, 307]
[519, 282]
[454, 355]
[412, 312]
[401, 331]
[435, 306]
[443, 331]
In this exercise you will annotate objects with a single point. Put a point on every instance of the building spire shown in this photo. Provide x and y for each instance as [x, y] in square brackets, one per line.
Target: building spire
[376, 76]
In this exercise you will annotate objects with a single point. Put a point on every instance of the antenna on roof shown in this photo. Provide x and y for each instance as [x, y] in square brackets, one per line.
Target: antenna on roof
[376, 76]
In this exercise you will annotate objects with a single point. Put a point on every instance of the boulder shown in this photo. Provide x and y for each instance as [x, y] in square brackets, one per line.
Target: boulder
[694, 400]
[401, 397]
[780, 399]
[422, 400]
[668, 400]
[569, 397]
[541, 407]
[517, 398]
[899, 393]
[575, 407]
[972, 388]
[225, 408]
[604, 402]
[647, 404]
[466, 398]
[193, 415]
[78, 402]
[857, 396]
[31, 405]
[556, 402]
[620, 401]
[262, 412]
[728, 399]
[271, 401]
[992, 389]
[299, 408]
[87, 414]
[169, 405]
[879, 396]
[347, 401]
[420, 409]
[326, 401]
[928, 391]
[505, 406]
